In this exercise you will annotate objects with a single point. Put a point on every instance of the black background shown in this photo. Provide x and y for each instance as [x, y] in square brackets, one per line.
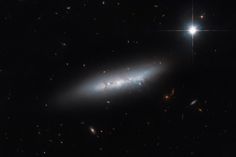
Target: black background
[45, 44]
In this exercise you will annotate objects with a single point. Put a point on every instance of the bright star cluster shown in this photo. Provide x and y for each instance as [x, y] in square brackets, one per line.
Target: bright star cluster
[125, 80]
[120, 80]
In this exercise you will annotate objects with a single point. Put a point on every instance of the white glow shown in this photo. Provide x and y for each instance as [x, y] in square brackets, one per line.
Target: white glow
[112, 83]
[193, 30]
[119, 80]
[123, 80]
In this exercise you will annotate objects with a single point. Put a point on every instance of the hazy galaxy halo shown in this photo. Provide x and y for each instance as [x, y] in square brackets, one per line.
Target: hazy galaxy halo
[113, 83]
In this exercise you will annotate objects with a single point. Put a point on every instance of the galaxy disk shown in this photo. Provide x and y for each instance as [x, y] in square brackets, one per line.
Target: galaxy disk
[112, 82]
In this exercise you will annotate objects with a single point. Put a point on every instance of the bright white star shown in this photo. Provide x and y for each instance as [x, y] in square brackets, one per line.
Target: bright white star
[193, 30]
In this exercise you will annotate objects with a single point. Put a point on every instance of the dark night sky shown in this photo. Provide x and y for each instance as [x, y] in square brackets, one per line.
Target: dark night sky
[188, 111]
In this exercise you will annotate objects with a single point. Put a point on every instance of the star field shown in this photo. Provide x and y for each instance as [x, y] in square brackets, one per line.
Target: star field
[75, 80]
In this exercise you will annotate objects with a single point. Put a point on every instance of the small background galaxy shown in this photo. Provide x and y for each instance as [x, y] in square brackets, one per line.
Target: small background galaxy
[47, 46]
